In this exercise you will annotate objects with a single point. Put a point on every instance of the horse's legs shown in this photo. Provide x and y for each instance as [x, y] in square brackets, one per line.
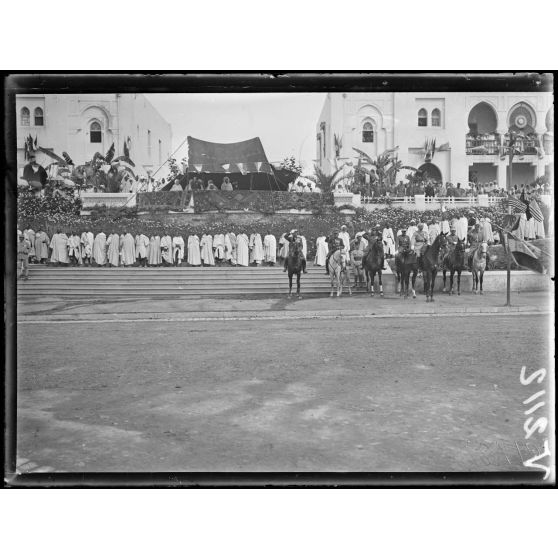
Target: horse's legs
[458, 282]
[426, 282]
[372, 278]
[432, 283]
[474, 290]
[290, 284]
[380, 282]
[413, 280]
[298, 284]
[452, 272]
[331, 276]
[444, 275]
[481, 273]
[349, 283]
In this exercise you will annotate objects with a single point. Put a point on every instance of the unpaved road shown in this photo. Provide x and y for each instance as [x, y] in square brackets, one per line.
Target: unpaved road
[412, 394]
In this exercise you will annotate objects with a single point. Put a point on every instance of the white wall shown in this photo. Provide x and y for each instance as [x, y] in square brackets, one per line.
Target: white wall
[67, 120]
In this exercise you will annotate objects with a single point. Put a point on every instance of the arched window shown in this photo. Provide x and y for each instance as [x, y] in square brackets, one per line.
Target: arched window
[39, 117]
[367, 133]
[436, 117]
[422, 117]
[25, 116]
[95, 133]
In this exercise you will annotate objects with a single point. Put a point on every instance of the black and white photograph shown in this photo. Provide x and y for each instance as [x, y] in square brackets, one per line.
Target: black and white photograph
[219, 277]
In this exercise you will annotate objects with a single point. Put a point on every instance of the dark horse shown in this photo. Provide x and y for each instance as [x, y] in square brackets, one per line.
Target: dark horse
[406, 263]
[372, 263]
[454, 262]
[431, 263]
[295, 260]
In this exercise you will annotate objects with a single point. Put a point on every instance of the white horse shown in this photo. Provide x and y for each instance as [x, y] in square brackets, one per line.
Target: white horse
[338, 272]
[478, 266]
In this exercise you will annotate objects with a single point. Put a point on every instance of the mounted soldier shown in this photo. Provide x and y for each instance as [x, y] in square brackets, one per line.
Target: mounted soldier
[293, 238]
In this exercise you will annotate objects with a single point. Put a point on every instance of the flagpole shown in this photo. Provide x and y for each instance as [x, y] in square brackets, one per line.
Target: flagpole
[508, 252]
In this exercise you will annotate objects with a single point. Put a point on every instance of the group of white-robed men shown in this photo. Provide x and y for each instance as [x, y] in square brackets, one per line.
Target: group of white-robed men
[154, 250]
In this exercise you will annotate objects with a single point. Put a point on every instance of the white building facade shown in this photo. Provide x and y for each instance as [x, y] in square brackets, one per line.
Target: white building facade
[469, 127]
[82, 124]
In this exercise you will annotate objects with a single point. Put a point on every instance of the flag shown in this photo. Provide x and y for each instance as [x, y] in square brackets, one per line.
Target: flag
[110, 153]
[67, 158]
[535, 211]
[525, 254]
[511, 222]
[36, 144]
[226, 166]
[517, 206]
[126, 150]
[125, 159]
[51, 153]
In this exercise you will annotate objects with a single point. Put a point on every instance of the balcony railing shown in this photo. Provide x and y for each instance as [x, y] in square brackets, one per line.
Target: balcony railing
[489, 144]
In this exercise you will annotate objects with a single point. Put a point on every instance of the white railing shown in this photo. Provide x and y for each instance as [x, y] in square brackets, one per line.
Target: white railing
[483, 200]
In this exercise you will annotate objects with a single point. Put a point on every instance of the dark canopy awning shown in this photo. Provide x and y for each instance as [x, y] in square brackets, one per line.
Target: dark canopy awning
[243, 157]
[244, 162]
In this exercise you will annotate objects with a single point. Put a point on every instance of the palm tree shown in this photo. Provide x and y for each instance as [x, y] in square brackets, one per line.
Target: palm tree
[385, 166]
[327, 182]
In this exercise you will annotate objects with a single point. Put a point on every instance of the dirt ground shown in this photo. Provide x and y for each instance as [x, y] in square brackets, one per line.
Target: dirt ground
[402, 394]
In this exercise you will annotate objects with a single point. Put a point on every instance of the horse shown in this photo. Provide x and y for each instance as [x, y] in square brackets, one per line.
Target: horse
[454, 261]
[405, 264]
[372, 263]
[478, 265]
[430, 264]
[338, 272]
[295, 260]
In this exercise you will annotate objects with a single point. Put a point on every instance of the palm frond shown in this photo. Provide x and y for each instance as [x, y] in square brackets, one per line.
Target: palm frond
[365, 156]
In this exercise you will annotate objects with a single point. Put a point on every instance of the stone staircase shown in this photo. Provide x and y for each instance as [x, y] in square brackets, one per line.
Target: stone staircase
[169, 282]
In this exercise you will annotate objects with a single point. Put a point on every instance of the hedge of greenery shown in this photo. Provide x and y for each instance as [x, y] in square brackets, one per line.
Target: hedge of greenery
[239, 200]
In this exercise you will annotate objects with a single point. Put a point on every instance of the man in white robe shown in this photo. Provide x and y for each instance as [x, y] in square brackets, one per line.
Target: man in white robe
[100, 249]
[219, 247]
[270, 249]
[283, 247]
[59, 247]
[412, 229]
[128, 250]
[344, 236]
[87, 239]
[444, 225]
[389, 242]
[433, 231]
[74, 249]
[41, 246]
[177, 249]
[321, 251]
[194, 250]
[256, 249]
[142, 247]
[166, 249]
[29, 235]
[154, 251]
[113, 250]
[230, 248]
[242, 249]
[486, 230]
[206, 250]
[462, 228]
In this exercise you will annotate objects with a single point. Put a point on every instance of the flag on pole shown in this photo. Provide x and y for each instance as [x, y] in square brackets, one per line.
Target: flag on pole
[524, 253]
[67, 158]
[517, 206]
[51, 153]
[535, 211]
